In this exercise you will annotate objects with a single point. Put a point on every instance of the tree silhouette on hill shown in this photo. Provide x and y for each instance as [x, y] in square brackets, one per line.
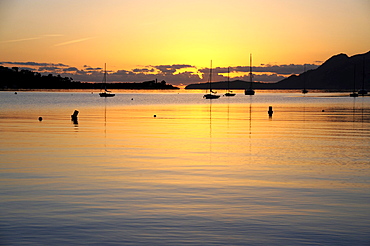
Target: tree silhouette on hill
[13, 78]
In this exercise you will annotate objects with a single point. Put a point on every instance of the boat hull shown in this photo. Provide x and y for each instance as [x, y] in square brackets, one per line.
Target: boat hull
[211, 96]
[229, 94]
[103, 94]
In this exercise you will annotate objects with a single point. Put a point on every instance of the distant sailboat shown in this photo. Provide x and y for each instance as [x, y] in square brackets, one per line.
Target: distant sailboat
[211, 94]
[229, 93]
[106, 93]
[250, 91]
[304, 91]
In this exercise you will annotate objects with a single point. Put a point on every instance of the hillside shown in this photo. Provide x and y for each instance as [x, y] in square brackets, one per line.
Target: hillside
[14, 78]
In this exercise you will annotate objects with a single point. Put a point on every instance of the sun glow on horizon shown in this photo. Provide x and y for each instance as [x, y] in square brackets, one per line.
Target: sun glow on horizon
[128, 35]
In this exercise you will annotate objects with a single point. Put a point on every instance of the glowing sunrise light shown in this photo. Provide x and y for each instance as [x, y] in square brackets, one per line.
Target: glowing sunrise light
[131, 34]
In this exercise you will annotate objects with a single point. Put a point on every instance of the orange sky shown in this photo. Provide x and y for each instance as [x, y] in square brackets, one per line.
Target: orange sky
[129, 34]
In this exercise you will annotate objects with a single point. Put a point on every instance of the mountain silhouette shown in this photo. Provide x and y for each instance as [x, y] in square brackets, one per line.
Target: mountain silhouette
[339, 72]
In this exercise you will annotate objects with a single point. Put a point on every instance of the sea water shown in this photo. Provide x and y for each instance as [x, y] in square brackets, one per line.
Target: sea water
[172, 168]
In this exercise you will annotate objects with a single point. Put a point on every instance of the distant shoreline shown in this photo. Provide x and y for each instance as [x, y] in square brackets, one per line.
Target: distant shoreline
[179, 90]
[16, 79]
[93, 90]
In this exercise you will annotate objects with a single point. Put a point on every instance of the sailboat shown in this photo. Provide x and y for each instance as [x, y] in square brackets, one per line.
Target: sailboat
[211, 94]
[229, 93]
[106, 93]
[250, 91]
[304, 91]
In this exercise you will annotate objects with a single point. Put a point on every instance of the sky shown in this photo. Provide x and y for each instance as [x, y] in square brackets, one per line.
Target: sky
[175, 40]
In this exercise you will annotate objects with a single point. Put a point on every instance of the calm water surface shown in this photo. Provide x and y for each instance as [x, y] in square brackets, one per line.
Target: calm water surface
[201, 172]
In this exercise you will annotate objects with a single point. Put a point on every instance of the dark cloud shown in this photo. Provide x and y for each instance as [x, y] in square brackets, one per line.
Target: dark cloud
[70, 69]
[28, 68]
[123, 72]
[175, 74]
[143, 70]
[263, 73]
[41, 69]
[170, 69]
[179, 66]
[218, 70]
[136, 76]
[283, 69]
[34, 64]
[277, 69]
[93, 68]
[88, 68]
[267, 78]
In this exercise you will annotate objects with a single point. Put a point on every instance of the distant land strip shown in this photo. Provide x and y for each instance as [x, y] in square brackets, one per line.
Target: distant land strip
[13, 79]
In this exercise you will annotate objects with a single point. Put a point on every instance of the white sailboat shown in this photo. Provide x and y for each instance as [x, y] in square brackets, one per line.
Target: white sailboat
[211, 94]
[106, 93]
[250, 91]
[229, 93]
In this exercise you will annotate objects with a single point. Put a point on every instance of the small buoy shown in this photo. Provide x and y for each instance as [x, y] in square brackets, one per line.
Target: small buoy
[132, 99]
[74, 117]
[15, 93]
[155, 116]
[270, 112]
[40, 118]
[323, 111]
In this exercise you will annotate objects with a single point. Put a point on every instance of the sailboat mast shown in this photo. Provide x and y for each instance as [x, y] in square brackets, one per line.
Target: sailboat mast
[210, 78]
[228, 78]
[105, 77]
[304, 76]
[105, 73]
[211, 94]
[250, 91]
[250, 70]
[105, 93]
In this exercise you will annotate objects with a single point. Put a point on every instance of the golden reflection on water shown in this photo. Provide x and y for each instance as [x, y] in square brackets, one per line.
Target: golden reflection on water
[228, 162]
[197, 143]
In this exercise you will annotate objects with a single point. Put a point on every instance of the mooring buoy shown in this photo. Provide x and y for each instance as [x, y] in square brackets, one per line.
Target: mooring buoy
[270, 112]
[74, 117]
